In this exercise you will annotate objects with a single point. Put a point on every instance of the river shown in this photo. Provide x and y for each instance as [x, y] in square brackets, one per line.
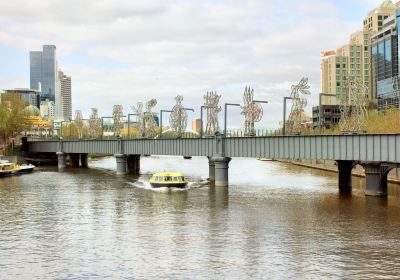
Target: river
[275, 221]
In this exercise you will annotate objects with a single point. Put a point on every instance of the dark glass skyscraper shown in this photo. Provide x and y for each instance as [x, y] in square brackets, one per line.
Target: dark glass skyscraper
[385, 61]
[43, 71]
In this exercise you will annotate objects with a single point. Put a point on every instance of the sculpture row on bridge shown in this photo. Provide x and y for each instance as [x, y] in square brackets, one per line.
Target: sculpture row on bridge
[352, 106]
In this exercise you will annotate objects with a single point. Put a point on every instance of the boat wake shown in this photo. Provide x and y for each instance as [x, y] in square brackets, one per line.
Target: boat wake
[194, 183]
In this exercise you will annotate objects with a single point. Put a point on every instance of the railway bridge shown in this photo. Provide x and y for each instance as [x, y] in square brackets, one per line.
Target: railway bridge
[377, 153]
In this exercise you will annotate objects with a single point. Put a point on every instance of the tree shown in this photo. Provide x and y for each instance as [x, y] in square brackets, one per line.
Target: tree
[13, 117]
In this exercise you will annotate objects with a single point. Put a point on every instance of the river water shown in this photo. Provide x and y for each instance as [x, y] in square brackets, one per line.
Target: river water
[275, 221]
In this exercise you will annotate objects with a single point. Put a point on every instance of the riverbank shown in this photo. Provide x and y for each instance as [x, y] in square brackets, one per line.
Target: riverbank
[330, 166]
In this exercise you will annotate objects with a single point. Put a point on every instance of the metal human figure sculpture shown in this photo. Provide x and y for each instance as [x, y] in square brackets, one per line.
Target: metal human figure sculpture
[118, 117]
[79, 123]
[252, 112]
[211, 100]
[298, 105]
[146, 125]
[178, 117]
[353, 106]
[94, 124]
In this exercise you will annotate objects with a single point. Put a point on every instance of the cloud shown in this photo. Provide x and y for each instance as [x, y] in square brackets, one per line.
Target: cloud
[130, 51]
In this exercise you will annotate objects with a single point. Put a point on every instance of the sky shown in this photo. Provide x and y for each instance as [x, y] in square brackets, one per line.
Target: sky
[129, 51]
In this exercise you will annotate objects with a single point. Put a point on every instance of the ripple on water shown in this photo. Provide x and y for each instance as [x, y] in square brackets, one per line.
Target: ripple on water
[275, 221]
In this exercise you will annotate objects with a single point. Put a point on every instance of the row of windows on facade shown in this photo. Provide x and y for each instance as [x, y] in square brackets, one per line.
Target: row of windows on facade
[352, 66]
[343, 78]
[351, 72]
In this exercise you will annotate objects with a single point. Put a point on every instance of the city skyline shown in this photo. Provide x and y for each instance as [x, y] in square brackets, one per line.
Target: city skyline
[186, 48]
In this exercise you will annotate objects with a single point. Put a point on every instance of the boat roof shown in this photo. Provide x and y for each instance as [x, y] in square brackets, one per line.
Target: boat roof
[6, 163]
[168, 174]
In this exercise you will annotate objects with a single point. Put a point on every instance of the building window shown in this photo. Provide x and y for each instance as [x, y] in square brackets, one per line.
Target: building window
[366, 36]
[337, 65]
[352, 60]
[337, 77]
[366, 72]
[352, 66]
[366, 66]
[366, 60]
[338, 84]
[337, 71]
[344, 65]
[344, 72]
[358, 65]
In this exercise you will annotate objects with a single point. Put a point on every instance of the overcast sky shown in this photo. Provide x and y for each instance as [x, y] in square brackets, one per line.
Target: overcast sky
[125, 51]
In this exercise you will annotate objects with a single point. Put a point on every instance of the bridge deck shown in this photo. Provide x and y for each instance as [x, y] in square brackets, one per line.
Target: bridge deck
[368, 147]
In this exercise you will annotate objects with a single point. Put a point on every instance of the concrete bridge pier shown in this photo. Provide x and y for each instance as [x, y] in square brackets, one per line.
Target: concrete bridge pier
[133, 164]
[221, 170]
[344, 170]
[62, 161]
[122, 164]
[74, 160]
[375, 179]
[211, 169]
[84, 160]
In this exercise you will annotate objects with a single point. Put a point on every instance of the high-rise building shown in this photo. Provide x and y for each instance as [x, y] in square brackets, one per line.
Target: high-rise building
[47, 109]
[353, 60]
[385, 61]
[373, 23]
[63, 97]
[196, 125]
[43, 71]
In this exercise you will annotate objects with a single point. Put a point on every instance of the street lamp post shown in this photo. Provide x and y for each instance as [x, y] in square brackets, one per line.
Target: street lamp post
[129, 124]
[186, 109]
[320, 109]
[284, 114]
[225, 114]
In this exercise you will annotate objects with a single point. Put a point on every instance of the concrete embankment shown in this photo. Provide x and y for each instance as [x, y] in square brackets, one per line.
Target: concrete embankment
[330, 166]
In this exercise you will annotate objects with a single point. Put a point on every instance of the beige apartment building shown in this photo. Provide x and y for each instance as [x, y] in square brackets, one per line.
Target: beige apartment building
[64, 104]
[353, 60]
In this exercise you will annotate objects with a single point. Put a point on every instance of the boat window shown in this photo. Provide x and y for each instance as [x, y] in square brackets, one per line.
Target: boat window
[175, 179]
[168, 178]
[183, 178]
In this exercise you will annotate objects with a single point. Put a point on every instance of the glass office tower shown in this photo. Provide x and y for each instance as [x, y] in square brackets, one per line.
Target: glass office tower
[385, 60]
[43, 71]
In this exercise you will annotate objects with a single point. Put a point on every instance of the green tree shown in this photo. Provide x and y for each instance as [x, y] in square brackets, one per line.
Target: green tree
[13, 118]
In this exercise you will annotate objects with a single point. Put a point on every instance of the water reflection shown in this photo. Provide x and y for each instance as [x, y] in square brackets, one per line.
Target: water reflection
[278, 221]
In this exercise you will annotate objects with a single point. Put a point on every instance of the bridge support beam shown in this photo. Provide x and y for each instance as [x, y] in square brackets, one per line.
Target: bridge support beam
[62, 162]
[84, 160]
[211, 169]
[345, 181]
[122, 166]
[375, 179]
[221, 170]
[133, 164]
